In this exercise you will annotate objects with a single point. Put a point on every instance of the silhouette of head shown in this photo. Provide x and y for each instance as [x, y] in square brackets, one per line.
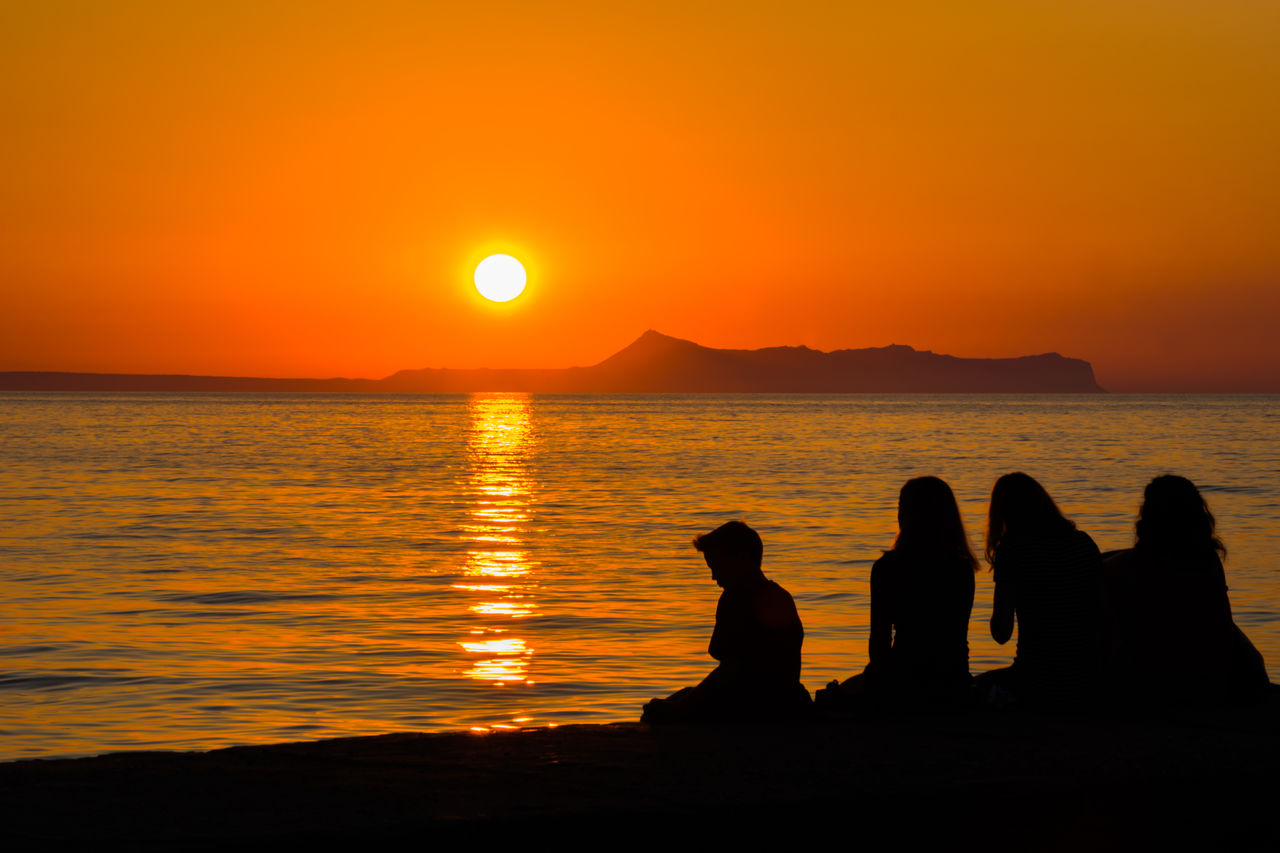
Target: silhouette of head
[929, 520]
[1175, 519]
[733, 552]
[1021, 506]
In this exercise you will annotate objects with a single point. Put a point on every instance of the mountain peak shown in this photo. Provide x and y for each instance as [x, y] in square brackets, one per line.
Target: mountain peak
[649, 347]
[653, 336]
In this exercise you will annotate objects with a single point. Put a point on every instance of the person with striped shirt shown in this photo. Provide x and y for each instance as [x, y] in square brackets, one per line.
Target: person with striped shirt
[1048, 577]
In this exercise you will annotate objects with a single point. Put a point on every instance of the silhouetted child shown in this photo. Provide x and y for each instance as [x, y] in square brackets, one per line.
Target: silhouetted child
[757, 641]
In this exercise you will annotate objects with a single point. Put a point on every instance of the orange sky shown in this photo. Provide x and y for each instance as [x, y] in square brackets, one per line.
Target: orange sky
[215, 188]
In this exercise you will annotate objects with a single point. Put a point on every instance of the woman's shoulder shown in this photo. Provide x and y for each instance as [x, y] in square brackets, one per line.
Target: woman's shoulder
[1085, 543]
[1121, 571]
[1012, 548]
[884, 571]
[1120, 561]
[1041, 549]
[901, 560]
[888, 560]
[1171, 567]
[1057, 540]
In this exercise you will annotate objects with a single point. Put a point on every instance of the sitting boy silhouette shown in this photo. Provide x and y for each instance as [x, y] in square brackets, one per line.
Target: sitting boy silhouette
[757, 641]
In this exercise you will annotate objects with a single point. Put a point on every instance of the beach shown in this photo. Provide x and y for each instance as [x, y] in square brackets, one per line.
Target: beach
[975, 779]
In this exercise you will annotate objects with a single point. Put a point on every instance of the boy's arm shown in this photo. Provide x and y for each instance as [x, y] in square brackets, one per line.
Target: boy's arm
[720, 646]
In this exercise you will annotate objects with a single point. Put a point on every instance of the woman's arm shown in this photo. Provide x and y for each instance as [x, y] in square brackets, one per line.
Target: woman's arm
[881, 638]
[1002, 607]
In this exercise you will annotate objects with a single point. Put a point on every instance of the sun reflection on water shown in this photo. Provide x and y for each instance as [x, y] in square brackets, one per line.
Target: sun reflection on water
[500, 494]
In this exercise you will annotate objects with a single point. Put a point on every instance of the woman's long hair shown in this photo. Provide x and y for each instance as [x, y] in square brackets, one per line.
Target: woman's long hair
[929, 521]
[1021, 505]
[1175, 521]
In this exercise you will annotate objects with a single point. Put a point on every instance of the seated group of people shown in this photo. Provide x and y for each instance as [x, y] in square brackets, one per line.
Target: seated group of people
[1147, 624]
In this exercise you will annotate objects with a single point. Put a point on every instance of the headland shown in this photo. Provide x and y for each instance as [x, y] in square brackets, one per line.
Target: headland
[656, 363]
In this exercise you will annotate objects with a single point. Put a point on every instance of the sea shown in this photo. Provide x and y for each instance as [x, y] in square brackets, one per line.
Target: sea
[193, 571]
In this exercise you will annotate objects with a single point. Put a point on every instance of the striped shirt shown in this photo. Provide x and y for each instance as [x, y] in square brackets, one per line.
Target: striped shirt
[1056, 582]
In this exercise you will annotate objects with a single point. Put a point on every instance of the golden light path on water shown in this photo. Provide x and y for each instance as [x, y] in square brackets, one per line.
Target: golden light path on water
[497, 565]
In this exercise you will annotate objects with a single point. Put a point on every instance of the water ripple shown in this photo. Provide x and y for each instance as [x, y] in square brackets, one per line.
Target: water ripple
[204, 570]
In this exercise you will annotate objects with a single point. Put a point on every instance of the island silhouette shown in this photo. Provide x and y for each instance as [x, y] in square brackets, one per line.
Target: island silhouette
[658, 363]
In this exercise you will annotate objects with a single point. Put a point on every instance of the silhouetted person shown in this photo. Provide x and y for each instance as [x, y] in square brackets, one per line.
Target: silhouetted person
[1173, 638]
[756, 639]
[1048, 578]
[921, 597]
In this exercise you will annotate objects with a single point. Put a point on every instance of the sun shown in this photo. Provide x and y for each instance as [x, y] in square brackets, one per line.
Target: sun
[500, 278]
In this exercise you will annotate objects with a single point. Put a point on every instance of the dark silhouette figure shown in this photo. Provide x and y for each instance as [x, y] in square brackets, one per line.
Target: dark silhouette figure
[1048, 578]
[757, 639]
[1173, 640]
[921, 597]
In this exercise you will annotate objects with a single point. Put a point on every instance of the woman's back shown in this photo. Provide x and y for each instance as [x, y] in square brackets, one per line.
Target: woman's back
[1172, 635]
[1056, 581]
[927, 597]
[921, 596]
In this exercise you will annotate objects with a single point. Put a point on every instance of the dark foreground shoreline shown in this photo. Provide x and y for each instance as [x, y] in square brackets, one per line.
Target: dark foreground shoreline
[983, 779]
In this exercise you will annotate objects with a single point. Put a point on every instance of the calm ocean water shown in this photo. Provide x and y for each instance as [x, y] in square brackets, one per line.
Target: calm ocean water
[194, 571]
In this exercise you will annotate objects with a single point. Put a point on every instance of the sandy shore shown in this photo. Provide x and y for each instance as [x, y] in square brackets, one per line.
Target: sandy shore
[985, 779]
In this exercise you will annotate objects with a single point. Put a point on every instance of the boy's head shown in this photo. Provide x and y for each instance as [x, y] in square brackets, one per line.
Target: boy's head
[733, 552]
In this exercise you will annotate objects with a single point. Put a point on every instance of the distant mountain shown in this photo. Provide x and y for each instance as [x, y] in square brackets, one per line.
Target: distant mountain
[661, 364]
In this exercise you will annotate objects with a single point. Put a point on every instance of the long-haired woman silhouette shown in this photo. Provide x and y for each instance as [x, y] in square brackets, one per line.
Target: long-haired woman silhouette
[1048, 579]
[921, 597]
[1172, 635]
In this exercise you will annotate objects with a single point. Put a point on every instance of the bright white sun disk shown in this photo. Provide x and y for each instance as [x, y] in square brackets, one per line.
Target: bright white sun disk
[500, 278]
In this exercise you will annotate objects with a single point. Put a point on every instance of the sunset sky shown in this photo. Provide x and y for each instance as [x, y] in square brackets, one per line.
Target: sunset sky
[304, 189]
